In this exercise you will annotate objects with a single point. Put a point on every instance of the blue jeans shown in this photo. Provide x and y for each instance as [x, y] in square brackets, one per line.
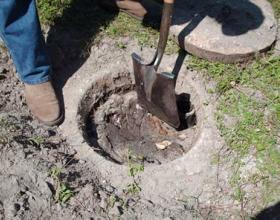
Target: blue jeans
[21, 32]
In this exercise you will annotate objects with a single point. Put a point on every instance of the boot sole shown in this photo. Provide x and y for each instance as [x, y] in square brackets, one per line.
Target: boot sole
[56, 122]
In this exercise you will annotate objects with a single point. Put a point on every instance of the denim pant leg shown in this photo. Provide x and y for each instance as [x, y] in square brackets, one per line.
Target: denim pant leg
[21, 32]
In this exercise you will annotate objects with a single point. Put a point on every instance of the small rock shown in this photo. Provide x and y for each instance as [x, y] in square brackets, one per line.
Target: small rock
[182, 136]
[163, 145]
[233, 84]
[102, 194]
[109, 189]
[138, 107]
[55, 140]
[82, 161]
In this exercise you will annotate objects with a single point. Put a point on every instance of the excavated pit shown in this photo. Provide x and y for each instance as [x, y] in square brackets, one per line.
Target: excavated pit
[118, 128]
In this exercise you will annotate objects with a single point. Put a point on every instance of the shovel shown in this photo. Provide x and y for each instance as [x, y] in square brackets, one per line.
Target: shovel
[156, 91]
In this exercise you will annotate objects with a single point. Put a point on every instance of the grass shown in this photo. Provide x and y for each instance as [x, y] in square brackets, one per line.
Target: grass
[125, 26]
[36, 141]
[85, 16]
[63, 193]
[49, 10]
[276, 6]
[256, 117]
[135, 167]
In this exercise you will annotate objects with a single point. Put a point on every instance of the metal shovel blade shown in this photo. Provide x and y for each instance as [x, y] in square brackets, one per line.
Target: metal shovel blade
[156, 92]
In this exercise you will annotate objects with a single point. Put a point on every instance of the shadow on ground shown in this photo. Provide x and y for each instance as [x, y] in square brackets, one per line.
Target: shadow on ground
[71, 36]
[236, 17]
[270, 213]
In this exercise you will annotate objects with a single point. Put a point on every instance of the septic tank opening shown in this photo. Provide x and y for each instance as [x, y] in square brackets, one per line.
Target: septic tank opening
[117, 127]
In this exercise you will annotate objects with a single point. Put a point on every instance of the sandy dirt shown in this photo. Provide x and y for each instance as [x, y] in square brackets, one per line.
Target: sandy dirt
[31, 153]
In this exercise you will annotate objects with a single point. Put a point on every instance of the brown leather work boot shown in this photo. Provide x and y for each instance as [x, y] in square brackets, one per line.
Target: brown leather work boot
[43, 103]
[141, 9]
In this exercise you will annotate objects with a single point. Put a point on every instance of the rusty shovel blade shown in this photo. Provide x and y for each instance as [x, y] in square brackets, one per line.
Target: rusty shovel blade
[156, 92]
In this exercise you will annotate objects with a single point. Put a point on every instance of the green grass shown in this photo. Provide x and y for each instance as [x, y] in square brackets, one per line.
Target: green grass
[86, 16]
[49, 10]
[276, 7]
[216, 71]
[37, 141]
[63, 193]
[125, 26]
[256, 118]
[254, 124]
[135, 167]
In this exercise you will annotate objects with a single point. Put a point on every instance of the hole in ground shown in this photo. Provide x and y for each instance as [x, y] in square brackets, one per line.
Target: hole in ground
[118, 128]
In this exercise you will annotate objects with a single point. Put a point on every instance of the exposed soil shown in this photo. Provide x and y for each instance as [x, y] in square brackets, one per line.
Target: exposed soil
[29, 152]
[129, 128]
[121, 127]
[11, 94]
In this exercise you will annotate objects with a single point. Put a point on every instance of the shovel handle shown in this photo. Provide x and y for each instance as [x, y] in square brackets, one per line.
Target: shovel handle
[164, 31]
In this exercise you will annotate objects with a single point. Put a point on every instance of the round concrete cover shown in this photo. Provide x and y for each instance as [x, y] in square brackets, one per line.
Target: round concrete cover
[224, 30]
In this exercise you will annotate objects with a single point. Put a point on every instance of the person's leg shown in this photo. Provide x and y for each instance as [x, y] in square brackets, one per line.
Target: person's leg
[21, 32]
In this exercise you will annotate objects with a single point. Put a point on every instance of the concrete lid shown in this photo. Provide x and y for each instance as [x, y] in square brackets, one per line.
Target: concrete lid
[224, 30]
